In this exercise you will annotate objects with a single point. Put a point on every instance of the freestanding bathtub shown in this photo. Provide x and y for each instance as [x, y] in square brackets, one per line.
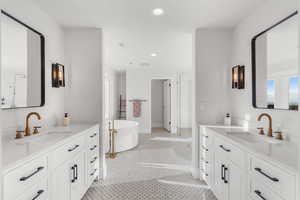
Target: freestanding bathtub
[127, 135]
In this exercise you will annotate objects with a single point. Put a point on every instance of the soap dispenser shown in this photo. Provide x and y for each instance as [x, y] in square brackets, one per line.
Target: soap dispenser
[66, 120]
[227, 119]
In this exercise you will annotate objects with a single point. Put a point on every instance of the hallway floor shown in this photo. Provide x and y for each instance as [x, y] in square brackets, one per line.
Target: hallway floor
[158, 169]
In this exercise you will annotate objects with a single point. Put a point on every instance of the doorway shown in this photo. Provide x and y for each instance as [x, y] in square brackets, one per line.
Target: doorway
[161, 101]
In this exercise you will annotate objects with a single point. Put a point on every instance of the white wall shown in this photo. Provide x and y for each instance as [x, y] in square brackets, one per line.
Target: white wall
[241, 100]
[52, 112]
[83, 57]
[186, 101]
[157, 102]
[213, 51]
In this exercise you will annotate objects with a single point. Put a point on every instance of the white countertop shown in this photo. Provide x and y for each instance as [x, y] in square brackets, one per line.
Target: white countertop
[284, 154]
[15, 152]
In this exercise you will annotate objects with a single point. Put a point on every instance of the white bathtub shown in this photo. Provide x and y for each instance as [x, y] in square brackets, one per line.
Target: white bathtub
[127, 135]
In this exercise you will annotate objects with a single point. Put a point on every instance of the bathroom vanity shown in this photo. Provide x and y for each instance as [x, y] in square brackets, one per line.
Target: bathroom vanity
[60, 164]
[238, 164]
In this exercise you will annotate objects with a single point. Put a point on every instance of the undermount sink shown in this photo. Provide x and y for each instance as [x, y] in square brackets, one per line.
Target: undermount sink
[42, 138]
[253, 138]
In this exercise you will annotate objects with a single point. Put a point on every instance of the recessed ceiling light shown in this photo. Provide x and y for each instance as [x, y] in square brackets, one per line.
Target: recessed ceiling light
[153, 54]
[158, 11]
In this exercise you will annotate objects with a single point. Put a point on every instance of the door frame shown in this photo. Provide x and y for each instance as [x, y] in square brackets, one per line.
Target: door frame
[174, 105]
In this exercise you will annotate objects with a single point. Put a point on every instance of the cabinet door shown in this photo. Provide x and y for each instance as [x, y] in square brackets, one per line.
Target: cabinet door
[78, 182]
[235, 182]
[60, 182]
[220, 187]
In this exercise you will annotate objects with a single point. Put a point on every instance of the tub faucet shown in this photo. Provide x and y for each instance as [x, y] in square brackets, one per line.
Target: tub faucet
[270, 131]
[27, 128]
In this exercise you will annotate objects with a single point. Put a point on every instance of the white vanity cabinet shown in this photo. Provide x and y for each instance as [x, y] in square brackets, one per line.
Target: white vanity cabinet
[71, 179]
[206, 155]
[26, 180]
[229, 179]
[64, 171]
[237, 171]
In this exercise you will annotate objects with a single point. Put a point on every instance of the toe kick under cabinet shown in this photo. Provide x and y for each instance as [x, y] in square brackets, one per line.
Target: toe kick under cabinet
[236, 173]
[63, 173]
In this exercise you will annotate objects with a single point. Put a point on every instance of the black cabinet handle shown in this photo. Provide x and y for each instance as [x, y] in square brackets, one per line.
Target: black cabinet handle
[92, 161]
[73, 174]
[206, 136]
[76, 171]
[222, 172]
[266, 175]
[225, 170]
[72, 149]
[258, 193]
[39, 193]
[94, 135]
[222, 147]
[93, 173]
[93, 148]
[35, 172]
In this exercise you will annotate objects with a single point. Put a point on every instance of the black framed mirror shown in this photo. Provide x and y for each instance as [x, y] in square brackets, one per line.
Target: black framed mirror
[275, 66]
[22, 64]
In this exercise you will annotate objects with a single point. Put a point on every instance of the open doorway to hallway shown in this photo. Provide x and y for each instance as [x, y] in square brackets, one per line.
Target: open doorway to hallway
[161, 101]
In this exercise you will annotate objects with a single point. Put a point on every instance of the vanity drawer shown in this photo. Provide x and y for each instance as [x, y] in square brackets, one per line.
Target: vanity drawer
[93, 136]
[20, 179]
[258, 191]
[228, 150]
[67, 151]
[93, 168]
[37, 192]
[279, 181]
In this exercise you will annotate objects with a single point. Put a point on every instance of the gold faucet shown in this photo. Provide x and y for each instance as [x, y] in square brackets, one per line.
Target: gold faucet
[270, 131]
[27, 128]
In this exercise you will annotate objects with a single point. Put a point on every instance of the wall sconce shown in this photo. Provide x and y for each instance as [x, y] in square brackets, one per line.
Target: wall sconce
[58, 75]
[238, 77]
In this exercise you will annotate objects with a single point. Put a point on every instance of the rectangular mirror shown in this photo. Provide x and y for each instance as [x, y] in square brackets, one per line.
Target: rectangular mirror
[275, 66]
[22, 64]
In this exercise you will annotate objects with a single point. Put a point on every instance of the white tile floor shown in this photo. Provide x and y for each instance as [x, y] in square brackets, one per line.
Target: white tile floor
[155, 170]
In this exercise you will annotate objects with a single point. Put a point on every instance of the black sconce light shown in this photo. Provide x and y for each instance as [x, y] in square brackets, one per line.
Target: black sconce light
[238, 77]
[58, 75]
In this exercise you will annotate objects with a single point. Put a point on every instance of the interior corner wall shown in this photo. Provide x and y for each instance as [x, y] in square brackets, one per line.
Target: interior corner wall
[212, 54]
[84, 58]
[52, 111]
[241, 100]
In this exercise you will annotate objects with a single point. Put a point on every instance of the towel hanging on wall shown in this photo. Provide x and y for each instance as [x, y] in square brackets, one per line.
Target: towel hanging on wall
[137, 107]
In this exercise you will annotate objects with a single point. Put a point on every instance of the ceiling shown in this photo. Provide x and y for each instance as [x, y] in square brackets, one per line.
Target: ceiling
[132, 33]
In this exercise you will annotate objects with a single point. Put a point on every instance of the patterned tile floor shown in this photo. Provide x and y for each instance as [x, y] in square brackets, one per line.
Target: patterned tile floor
[139, 174]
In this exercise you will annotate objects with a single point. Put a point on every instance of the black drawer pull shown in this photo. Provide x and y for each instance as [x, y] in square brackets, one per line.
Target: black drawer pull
[39, 193]
[258, 193]
[76, 171]
[206, 136]
[27, 177]
[93, 173]
[222, 172]
[73, 174]
[93, 148]
[225, 170]
[266, 175]
[94, 135]
[222, 147]
[72, 149]
[92, 161]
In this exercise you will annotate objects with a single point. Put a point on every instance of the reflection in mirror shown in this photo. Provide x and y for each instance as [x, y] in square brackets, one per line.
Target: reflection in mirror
[22, 72]
[276, 66]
